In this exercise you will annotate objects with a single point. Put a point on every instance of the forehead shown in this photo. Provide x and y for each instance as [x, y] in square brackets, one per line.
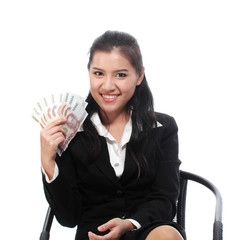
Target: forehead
[113, 58]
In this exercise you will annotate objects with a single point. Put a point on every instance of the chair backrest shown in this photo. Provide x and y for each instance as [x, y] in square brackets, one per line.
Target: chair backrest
[181, 206]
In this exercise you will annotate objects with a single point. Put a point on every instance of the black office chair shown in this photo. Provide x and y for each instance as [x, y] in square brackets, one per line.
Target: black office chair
[181, 206]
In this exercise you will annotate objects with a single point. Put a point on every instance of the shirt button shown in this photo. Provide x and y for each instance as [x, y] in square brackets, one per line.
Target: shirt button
[119, 193]
[116, 164]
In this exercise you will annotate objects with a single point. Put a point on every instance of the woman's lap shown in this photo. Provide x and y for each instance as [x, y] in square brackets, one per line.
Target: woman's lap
[141, 233]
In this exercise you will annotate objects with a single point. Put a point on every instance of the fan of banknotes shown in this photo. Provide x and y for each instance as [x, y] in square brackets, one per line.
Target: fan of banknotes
[67, 105]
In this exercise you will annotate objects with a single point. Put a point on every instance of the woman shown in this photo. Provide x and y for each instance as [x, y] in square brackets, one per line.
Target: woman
[119, 177]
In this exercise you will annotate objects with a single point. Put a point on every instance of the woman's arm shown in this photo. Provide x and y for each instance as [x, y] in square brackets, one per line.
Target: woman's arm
[51, 136]
[62, 193]
[160, 203]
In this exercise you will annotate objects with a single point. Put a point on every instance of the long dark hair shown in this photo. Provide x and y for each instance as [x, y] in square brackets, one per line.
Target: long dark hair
[141, 103]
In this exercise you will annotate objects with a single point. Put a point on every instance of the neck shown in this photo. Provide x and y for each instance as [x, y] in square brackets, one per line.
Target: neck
[112, 119]
[115, 123]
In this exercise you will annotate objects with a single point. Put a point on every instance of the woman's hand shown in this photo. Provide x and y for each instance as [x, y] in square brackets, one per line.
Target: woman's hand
[51, 136]
[117, 228]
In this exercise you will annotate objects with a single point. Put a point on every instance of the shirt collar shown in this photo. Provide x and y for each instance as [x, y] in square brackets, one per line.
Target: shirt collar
[102, 131]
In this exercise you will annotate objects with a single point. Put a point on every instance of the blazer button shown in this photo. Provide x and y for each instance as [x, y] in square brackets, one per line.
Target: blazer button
[119, 193]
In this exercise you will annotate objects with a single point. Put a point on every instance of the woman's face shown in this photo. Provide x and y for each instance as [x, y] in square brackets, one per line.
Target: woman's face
[112, 81]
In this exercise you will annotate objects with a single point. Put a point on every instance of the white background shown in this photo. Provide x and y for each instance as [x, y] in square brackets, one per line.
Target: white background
[191, 53]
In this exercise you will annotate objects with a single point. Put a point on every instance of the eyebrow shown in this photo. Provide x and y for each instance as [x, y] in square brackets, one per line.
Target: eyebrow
[118, 70]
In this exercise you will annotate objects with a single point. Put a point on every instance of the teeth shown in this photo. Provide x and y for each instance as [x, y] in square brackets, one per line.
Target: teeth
[109, 96]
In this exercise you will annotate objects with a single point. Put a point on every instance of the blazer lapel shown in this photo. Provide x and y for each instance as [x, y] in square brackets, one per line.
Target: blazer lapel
[103, 163]
[130, 172]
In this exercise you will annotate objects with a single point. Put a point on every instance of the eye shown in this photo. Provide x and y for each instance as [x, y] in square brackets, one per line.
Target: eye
[121, 75]
[98, 73]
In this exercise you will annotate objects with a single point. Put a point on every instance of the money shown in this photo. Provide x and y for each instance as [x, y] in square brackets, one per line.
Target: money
[67, 105]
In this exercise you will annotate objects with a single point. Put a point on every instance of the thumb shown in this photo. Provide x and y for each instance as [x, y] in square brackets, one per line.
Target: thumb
[103, 227]
[106, 226]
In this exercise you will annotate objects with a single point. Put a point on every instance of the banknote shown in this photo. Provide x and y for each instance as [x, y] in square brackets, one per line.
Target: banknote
[67, 105]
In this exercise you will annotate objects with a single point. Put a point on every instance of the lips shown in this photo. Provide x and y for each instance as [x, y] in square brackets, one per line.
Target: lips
[109, 97]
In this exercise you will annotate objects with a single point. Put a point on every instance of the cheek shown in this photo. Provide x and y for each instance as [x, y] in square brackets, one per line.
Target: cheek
[129, 88]
[93, 84]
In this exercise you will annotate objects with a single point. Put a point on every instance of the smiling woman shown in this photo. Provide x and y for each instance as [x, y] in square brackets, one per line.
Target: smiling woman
[191, 57]
[112, 82]
[121, 172]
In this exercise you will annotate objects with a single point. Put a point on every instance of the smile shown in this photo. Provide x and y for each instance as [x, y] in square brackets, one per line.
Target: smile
[109, 98]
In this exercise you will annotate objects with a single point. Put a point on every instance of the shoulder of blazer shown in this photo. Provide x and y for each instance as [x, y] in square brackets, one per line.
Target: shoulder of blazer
[165, 119]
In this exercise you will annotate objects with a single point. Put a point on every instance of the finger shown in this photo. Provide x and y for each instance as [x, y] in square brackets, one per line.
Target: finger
[93, 236]
[52, 141]
[103, 227]
[56, 129]
[109, 236]
[56, 122]
[49, 132]
[108, 225]
[58, 138]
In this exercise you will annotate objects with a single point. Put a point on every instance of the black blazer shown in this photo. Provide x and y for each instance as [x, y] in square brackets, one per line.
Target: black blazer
[88, 195]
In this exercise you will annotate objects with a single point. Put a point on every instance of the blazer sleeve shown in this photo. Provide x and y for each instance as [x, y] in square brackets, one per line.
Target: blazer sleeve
[63, 194]
[160, 204]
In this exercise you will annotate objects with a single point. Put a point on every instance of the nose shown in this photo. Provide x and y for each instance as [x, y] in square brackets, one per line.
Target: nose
[108, 84]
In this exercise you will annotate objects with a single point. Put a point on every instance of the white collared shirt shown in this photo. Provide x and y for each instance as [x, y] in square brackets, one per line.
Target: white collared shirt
[117, 152]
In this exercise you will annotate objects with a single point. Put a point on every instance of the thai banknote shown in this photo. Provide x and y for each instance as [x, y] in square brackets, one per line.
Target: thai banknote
[67, 105]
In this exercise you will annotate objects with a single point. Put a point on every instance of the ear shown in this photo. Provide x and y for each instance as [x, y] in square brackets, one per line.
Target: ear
[140, 78]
